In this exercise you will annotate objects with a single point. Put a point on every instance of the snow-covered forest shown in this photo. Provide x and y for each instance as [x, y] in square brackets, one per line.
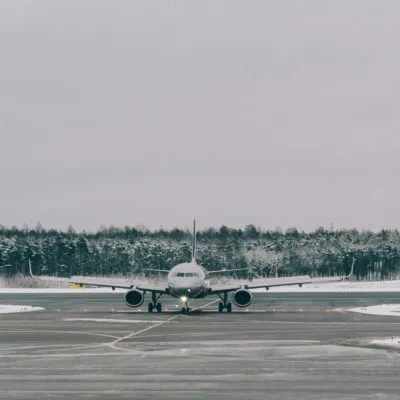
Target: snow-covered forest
[127, 251]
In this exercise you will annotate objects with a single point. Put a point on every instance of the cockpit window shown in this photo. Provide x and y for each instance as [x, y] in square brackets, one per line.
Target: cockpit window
[187, 274]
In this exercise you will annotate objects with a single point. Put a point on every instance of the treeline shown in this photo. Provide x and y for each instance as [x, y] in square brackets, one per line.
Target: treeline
[128, 251]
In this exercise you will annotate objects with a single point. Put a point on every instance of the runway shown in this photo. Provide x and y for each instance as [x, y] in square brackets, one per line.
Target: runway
[286, 346]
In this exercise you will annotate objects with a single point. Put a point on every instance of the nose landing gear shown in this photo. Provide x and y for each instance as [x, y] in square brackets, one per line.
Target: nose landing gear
[185, 302]
[186, 310]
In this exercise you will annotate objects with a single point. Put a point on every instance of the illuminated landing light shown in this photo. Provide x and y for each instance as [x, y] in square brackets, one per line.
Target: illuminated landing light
[184, 299]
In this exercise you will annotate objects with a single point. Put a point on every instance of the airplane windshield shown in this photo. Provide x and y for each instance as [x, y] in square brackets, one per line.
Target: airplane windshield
[187, 274]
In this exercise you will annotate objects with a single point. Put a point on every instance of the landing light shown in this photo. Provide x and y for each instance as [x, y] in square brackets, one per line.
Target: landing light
[184, 299]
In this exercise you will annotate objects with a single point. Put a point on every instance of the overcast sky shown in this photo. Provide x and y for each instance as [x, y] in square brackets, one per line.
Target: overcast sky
[276, 113]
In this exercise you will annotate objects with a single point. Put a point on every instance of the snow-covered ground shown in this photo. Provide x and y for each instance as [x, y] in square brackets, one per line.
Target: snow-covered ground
[8, 308]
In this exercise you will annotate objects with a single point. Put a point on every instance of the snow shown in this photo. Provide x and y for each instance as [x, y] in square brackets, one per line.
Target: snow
[8, 308]
[393, 341]
[390, 310]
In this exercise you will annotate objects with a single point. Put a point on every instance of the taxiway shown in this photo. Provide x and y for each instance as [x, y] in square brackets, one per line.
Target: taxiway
[286, 346]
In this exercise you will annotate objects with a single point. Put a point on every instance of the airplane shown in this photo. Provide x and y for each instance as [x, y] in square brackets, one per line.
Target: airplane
[190, 280]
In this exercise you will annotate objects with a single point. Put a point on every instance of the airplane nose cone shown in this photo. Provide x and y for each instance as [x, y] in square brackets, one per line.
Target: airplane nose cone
[184, 287]
[184, 283]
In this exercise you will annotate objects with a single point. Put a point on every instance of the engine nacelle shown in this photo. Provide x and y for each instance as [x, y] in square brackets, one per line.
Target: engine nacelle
[242, 298]
[134, 298]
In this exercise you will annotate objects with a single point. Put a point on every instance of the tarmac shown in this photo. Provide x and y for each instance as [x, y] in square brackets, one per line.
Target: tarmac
[285, 346]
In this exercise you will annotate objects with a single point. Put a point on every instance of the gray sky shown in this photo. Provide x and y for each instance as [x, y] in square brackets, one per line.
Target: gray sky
[150, 112]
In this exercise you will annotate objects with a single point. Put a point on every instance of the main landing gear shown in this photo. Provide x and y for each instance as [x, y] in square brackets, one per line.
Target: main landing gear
[224, 304]
[154, 304]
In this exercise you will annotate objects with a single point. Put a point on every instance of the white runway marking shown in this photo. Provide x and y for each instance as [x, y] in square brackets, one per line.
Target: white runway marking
[56, 348]
[133, 334]
[50, 347]
[116, 320]
[63, 355]
[114, 343]
[58, 332]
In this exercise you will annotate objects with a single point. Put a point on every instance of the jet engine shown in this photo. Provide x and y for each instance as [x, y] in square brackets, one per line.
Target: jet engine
[242, 298]
[134, 298]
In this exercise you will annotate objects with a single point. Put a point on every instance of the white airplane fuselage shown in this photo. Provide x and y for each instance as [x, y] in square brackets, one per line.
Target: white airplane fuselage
[188, 280]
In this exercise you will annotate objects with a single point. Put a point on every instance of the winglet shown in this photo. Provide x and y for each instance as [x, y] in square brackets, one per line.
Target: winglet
[352, 270]
[194, 242]
[30, 268]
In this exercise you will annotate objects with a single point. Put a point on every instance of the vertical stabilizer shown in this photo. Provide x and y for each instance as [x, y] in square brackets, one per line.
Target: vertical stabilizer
[194, 242]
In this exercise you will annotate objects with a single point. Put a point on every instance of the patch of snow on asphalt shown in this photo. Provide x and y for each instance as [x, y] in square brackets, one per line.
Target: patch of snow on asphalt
[389, 310]
[8, 308]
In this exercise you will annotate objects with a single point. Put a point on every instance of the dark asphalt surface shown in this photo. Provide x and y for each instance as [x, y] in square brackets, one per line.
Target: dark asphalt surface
[285, 346]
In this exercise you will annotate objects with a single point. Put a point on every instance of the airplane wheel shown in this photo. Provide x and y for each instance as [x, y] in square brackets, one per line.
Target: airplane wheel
[158, 306]
[220, 307]
[183, 310]
[229, 307]
[151, 307]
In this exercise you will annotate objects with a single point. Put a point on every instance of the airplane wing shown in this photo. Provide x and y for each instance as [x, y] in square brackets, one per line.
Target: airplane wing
[119, 284]
[161, 271]
[225, 271]
[112, 283]
[273, 282]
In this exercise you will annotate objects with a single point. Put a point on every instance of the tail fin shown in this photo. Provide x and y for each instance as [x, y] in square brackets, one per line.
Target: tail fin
[194, 242]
